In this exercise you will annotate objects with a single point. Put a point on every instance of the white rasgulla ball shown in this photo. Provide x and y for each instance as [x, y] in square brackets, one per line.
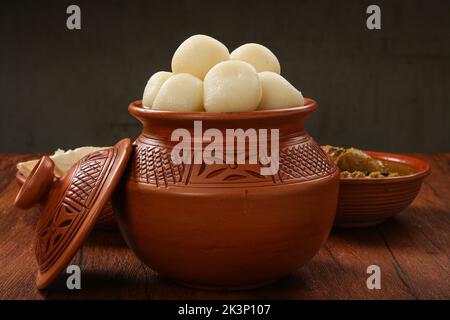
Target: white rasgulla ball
[278, 93]
[152, 88]
[258, 56]
[232, 86]
[198, 54]
[182, 92]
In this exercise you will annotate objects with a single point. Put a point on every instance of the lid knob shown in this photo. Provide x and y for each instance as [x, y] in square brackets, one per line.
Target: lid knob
[37, 185]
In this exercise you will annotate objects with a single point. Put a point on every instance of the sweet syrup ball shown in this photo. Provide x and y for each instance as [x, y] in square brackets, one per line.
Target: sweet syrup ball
[258, 56]
[182, 92]
[198, 54]
[278, 93]
[152, 88]
[231, 86]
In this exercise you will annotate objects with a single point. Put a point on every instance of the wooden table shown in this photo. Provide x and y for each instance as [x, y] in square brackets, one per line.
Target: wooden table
[412, 251]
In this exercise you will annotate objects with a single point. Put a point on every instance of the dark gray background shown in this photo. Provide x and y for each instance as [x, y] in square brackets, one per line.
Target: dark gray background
[384, 90]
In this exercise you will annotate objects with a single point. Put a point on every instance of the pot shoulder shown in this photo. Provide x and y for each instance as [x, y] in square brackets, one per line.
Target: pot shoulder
[300, 160]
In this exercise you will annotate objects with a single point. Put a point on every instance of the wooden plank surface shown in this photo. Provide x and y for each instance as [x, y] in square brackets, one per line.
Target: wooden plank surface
[412, 251]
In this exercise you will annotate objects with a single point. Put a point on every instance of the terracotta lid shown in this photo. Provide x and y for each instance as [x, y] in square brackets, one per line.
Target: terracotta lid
[70, 205]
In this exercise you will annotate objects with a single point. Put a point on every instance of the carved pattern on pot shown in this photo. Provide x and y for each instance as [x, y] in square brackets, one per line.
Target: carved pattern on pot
[299, 162]
[152, 165]
[57, 231]
[305, 161]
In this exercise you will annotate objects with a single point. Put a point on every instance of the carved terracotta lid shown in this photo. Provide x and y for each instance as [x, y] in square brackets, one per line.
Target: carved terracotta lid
[70, 205]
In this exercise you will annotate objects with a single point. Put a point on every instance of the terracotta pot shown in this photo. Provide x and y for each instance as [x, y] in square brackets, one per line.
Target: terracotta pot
[226, 226]
[106, 219]
[369, 202]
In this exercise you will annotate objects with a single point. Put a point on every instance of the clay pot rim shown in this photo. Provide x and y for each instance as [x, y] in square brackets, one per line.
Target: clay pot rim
[136, 109]
[422, 169]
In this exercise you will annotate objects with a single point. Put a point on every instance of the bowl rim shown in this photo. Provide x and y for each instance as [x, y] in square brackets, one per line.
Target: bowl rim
[136, 108]
[20, 178]
[422, 169]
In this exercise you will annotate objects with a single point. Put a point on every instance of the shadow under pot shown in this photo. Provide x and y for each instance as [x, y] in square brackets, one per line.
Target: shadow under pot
[230, 225]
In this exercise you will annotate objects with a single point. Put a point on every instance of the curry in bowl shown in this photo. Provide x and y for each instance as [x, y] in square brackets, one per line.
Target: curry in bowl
[374, 186]
[355, 163]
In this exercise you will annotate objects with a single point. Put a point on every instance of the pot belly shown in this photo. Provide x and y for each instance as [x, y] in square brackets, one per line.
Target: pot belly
[226, 237]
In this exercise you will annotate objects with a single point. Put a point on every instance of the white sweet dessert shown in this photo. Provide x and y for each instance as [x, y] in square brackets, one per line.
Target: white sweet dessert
[258, 56]
[232, 86]
[182, 92]
[205, 76]
[152, 88]
[278, 93]
[198, 54]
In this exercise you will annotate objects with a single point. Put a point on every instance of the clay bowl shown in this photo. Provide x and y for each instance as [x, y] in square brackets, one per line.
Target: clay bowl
[368, 202]
[217, 226]
[106, 220]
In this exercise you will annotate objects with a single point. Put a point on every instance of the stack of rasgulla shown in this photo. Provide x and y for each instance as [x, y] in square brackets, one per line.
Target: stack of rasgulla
[206, 77]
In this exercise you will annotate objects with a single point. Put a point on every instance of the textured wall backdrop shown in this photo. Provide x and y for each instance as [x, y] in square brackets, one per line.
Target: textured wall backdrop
[384, 90]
